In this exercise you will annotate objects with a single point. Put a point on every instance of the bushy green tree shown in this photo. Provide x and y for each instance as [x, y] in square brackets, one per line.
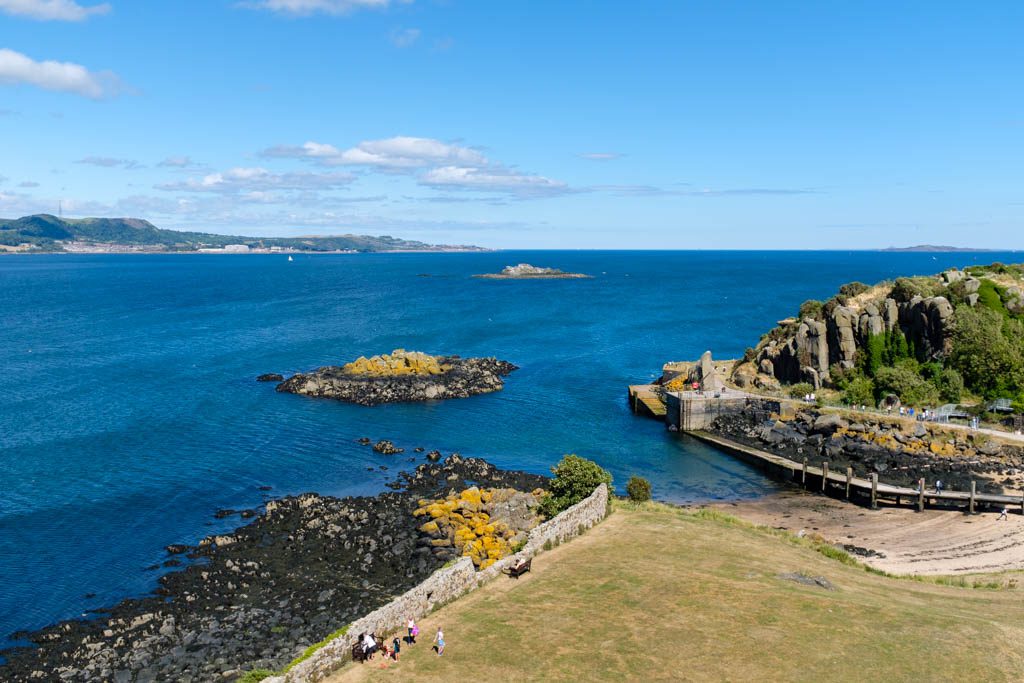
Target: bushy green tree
[988, 352]
[904, 381]
[575, 479]
[638, 489]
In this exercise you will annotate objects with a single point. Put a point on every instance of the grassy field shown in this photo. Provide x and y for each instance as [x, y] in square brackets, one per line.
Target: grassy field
[663, 594]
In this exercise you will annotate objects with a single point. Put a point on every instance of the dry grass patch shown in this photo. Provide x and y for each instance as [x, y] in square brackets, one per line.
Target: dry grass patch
[657, 593]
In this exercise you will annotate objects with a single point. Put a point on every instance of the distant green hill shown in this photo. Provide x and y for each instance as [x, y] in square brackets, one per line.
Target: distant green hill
[49, 233]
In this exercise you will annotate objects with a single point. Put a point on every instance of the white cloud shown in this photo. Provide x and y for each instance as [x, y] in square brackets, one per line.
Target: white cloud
[52, 10]
[254, 183]
[601, 156]
[493, 180]
[404, 37]
[109, 162]
[16, 68]
[305, 8]
[397, 153]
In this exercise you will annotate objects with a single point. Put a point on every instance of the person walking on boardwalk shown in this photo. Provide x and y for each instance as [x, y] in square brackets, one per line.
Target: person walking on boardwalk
[1002, 514]
[938, 486]
[439, 640]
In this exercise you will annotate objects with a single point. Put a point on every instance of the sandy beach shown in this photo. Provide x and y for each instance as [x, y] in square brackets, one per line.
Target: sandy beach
[907, 542]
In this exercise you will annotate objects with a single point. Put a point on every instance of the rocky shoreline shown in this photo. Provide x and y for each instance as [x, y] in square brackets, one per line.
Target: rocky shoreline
[901, 453]
[401, 377]
[257, 597]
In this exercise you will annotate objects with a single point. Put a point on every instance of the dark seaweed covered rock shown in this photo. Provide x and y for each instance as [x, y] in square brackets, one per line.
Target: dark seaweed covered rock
[256, 597]
[270, 377]
[402, 377]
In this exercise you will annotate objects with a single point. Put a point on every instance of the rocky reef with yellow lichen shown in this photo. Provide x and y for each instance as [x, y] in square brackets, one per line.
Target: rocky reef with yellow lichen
[482, 524]
[401, 376]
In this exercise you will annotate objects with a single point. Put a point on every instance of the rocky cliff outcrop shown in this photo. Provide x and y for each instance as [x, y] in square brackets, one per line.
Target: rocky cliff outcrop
[401, 376]
[806, 349]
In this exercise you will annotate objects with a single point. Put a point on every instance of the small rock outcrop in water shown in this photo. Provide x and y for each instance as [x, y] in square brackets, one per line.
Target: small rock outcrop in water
[270, 377]
[402, 376]
[386, 447]
[524, 271]
[263, 593]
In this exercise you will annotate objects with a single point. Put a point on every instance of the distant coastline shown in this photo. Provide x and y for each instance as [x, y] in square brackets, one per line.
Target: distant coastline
[47, 234]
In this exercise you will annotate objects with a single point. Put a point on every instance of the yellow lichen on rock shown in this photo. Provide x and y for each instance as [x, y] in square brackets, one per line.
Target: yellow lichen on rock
[398, 363]
[460, 521]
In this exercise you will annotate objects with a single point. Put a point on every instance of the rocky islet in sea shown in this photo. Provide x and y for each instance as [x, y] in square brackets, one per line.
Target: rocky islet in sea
[303, 568]
[401, 376]
[524, 271]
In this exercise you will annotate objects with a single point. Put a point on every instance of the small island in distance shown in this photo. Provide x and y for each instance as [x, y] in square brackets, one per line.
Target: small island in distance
[44, 233]
[524, 271]
[935, 248]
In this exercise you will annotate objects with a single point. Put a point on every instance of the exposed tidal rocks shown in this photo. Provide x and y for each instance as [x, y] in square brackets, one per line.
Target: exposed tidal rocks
[270, 377]
[258, 596]
[899, 453]
[402, 376]
[524, 271]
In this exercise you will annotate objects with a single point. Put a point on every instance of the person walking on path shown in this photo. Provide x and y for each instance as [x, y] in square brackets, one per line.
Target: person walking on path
[938, 486]
[396, 648]
[439, 640]
[1002, 514]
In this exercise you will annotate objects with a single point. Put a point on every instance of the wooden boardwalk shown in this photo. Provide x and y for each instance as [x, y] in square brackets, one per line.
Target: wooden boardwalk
[826, 480]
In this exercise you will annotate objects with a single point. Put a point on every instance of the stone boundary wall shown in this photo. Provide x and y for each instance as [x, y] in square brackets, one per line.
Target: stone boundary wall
[443, 586]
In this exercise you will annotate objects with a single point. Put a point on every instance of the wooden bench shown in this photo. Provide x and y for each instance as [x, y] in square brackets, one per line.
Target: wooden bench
[518, 570]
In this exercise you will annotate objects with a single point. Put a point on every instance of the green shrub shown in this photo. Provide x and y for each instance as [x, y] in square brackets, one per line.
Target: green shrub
[906, 288]
[852, 289]
[859, 391]
[750, 355]
[255, 676]
[638, 489]
[811, 308]
[575, 479]
[800, 389]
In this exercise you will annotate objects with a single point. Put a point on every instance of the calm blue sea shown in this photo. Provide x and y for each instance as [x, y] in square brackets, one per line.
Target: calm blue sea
[129, 414]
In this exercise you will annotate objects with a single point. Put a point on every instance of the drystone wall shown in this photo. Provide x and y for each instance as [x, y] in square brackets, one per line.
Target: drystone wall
[442, 587]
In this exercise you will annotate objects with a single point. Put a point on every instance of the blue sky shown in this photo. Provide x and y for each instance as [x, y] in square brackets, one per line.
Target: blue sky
[527, 124]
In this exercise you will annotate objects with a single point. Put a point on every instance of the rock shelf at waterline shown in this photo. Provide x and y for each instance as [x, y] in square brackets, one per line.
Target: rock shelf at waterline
[401, 376]
[257, 597]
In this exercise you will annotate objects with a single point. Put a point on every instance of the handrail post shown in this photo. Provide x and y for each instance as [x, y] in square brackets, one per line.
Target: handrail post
[849, 481]
[920, 495]
[824, 475]
[973, 490]
[874, 490]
